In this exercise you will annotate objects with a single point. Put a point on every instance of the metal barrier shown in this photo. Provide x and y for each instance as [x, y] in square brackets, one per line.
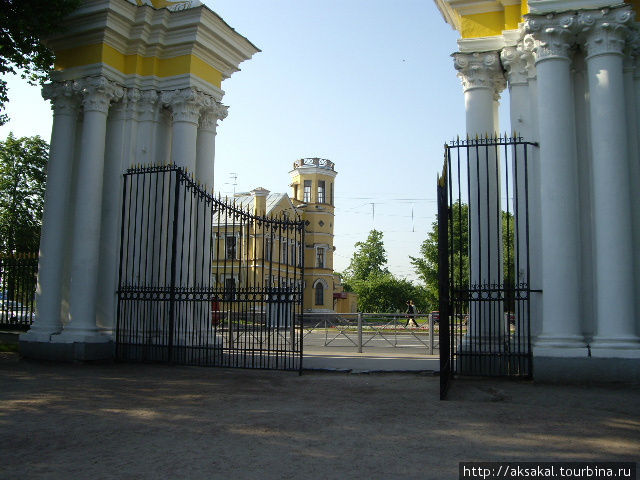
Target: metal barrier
[17, 289]
[414, 333]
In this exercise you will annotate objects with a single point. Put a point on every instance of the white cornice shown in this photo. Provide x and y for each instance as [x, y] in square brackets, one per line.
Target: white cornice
[150, 32]
[482, 44]
[305, 170]
[136, 81]
[540, 7]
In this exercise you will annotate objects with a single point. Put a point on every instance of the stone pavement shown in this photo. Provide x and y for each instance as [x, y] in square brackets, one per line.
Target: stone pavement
[125, 421]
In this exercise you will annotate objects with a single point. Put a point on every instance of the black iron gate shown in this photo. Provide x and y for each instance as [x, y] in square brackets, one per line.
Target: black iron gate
[484, 263]
[205, 281]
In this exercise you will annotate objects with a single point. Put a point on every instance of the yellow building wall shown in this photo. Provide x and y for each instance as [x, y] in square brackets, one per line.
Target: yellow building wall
[137, 64]
[493, 23]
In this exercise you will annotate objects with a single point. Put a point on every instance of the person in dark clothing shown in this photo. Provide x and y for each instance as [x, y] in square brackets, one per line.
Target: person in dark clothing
[411, 314]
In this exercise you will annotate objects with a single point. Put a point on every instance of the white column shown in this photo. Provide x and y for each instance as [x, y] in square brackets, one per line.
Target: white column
[117, 147]
[148, 110]
[53, 237]
[97, 93]
[482, 80]
[561, 333]
[519, 66]
[206, 146]
[185, 107]
[613, 249]
[634, 102]
[515, 62]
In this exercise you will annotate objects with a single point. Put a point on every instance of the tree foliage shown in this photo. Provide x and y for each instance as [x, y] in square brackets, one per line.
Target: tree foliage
[370, 258]
[426, 265]
[377, 289]
[22, 184]
[388, 293]
[23, 23]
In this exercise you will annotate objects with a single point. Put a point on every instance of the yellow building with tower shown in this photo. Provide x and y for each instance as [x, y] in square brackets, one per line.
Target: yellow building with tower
[312, 186]
[249, 249]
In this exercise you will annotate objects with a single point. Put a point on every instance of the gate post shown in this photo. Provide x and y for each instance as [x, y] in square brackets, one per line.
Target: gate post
[172, 287]
[359, 332]
[443, 281]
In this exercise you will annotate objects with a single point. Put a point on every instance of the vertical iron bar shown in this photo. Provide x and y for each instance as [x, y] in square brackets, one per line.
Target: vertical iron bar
[172, 287]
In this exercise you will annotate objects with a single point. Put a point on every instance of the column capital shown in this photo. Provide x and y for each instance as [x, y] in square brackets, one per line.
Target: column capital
[480, 70]
[211, 113]
[147, 104]
[550, 36]
[97, 93]
[518, 63]
[185, 104]
[605, 31]
[64, 100]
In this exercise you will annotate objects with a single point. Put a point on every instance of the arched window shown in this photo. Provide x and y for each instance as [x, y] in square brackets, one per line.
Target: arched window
[319, 293]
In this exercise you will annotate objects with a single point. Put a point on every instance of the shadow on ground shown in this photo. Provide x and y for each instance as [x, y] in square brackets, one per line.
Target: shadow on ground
[121, 421]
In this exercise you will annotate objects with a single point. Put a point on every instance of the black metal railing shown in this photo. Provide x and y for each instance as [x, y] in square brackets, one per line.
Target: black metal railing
[485, 269]
[205, 281]
[18, 274]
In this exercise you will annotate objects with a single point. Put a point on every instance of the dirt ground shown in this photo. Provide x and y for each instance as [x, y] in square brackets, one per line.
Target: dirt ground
[117, 421]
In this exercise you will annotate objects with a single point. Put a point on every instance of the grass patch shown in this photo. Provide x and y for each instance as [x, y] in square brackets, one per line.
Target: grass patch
[9, 347]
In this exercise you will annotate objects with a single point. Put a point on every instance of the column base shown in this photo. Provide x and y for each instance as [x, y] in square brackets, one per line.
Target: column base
[80, 336]
[67, 352]
[36, 334]
[615, 347]
[569, 346]
[586, 369]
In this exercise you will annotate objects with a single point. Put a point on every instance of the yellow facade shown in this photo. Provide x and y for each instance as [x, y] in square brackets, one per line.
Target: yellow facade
[481, 19]
[136, 64]
[255, 256]
[313, 193]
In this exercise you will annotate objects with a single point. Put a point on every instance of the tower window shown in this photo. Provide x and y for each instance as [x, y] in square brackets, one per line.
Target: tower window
[307, 191]
[295, 191]
[321, 192]
[320, 257]
[331, 193]
[319, 294]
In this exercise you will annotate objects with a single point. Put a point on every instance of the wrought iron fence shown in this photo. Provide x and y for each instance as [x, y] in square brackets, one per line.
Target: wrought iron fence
[205, 281]
[371, 331]
[485, 270]
[18, 274]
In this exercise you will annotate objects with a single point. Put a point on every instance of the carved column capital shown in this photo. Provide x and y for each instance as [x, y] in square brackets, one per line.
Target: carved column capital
[550, 36]
[605, 31]
[147, 105]
[64, 100]
[185, 104]
[480, 70]
[516, 62]
[97, 93]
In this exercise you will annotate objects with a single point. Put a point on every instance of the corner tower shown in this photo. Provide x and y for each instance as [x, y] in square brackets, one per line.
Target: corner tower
[313, 194]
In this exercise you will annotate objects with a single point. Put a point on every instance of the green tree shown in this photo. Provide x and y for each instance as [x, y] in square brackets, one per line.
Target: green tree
[23, 23]
[388, 293]
[22, 183]
[377, 289]
[370, 258]
[426, 265]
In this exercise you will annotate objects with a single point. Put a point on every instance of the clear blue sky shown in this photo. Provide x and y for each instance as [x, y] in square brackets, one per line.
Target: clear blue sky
[368, 84]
